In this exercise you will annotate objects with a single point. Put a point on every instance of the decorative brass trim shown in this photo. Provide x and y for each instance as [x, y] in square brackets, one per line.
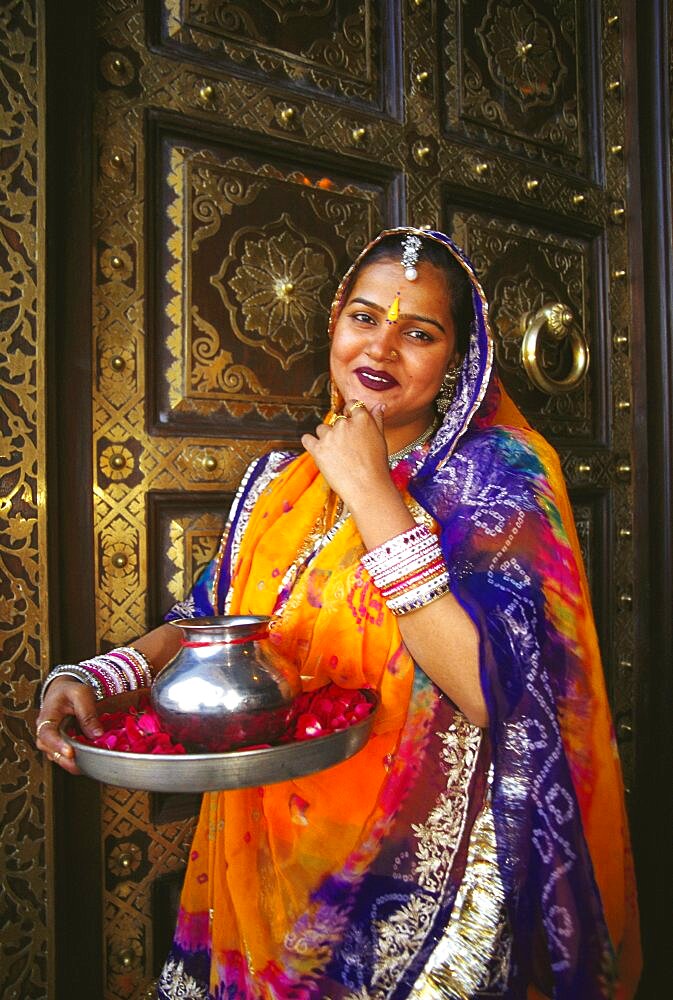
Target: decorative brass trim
[28, 916]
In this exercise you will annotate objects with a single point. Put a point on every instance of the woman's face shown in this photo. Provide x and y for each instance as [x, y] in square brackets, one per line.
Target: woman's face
[399, 362]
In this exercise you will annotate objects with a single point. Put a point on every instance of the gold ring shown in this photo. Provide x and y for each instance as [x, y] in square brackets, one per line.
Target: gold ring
[45, 722]
[337, 416]
[357, 405]
[57, 756]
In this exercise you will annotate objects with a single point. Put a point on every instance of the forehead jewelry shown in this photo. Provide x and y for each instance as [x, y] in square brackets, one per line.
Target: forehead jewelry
[411, 247]
[394, 311]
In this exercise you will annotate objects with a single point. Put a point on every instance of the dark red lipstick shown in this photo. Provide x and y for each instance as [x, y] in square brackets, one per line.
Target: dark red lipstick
[379, 381]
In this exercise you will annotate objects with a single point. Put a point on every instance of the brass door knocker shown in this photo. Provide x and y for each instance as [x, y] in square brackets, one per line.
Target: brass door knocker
[559, 323]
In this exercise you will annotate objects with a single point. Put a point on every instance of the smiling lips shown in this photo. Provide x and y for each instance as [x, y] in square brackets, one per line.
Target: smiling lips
[376, 380]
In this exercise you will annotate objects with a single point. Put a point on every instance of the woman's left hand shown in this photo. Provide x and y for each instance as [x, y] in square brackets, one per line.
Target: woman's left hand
[351, 453]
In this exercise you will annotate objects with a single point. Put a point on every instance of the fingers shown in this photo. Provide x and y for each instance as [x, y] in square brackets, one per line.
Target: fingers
[378, 413]
[50, 741]
[355, 414]
[84, 705]
[64, 698]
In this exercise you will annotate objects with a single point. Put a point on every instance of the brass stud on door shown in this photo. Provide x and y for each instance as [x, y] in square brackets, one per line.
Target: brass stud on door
[421, 153]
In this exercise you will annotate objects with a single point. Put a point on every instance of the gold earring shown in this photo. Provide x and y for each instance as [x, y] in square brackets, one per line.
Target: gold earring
[447, 389]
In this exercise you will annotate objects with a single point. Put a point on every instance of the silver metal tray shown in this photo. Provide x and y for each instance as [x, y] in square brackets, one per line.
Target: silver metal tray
[210, 772]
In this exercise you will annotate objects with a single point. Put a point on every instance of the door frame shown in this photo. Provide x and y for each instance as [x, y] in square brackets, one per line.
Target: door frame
[71, 69]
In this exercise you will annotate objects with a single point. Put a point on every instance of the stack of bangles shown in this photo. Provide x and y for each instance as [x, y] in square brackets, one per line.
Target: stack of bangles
[123, 669]
[409, 570]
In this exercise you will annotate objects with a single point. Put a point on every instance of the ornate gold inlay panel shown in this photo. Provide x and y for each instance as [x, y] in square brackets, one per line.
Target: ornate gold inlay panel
[25, 784]
[511, 77]
[184, 541]
[252, 254]
[319, 45]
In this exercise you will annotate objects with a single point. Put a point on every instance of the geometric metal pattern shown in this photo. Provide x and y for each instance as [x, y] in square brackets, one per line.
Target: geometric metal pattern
[336, 51]
[25, 776]
[510, 78]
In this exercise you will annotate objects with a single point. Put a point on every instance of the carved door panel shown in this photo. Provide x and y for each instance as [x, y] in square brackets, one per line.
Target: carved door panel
[245, 152]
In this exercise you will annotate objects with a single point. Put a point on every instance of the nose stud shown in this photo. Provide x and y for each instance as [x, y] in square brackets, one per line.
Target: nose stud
[394, 355]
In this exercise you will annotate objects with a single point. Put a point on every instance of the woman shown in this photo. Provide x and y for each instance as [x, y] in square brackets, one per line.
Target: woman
[423, 544]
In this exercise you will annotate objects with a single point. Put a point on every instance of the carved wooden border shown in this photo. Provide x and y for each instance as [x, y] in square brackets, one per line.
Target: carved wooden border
[26, 946]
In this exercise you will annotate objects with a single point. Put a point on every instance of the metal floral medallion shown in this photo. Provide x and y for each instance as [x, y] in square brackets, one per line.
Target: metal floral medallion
[277, 287]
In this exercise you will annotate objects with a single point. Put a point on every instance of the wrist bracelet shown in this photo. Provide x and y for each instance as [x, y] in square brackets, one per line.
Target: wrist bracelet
[123, 669]
[78, 673]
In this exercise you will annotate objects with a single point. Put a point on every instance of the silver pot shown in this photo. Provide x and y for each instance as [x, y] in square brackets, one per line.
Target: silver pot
[227, 687]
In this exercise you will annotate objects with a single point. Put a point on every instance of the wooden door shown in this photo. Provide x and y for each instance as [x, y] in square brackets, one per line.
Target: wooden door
[244, 152]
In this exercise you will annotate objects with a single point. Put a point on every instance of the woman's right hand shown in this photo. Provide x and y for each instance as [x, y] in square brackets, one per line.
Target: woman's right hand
[65, 696]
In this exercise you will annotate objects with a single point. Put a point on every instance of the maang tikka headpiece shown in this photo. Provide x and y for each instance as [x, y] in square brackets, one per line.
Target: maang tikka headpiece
[411, 248]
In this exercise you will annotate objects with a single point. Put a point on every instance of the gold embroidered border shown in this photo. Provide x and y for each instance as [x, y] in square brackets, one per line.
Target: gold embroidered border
[402, 935]
[460, 962]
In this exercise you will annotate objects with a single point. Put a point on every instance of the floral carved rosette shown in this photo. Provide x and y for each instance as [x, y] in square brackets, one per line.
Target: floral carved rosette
[522, 52]
[277, 284]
